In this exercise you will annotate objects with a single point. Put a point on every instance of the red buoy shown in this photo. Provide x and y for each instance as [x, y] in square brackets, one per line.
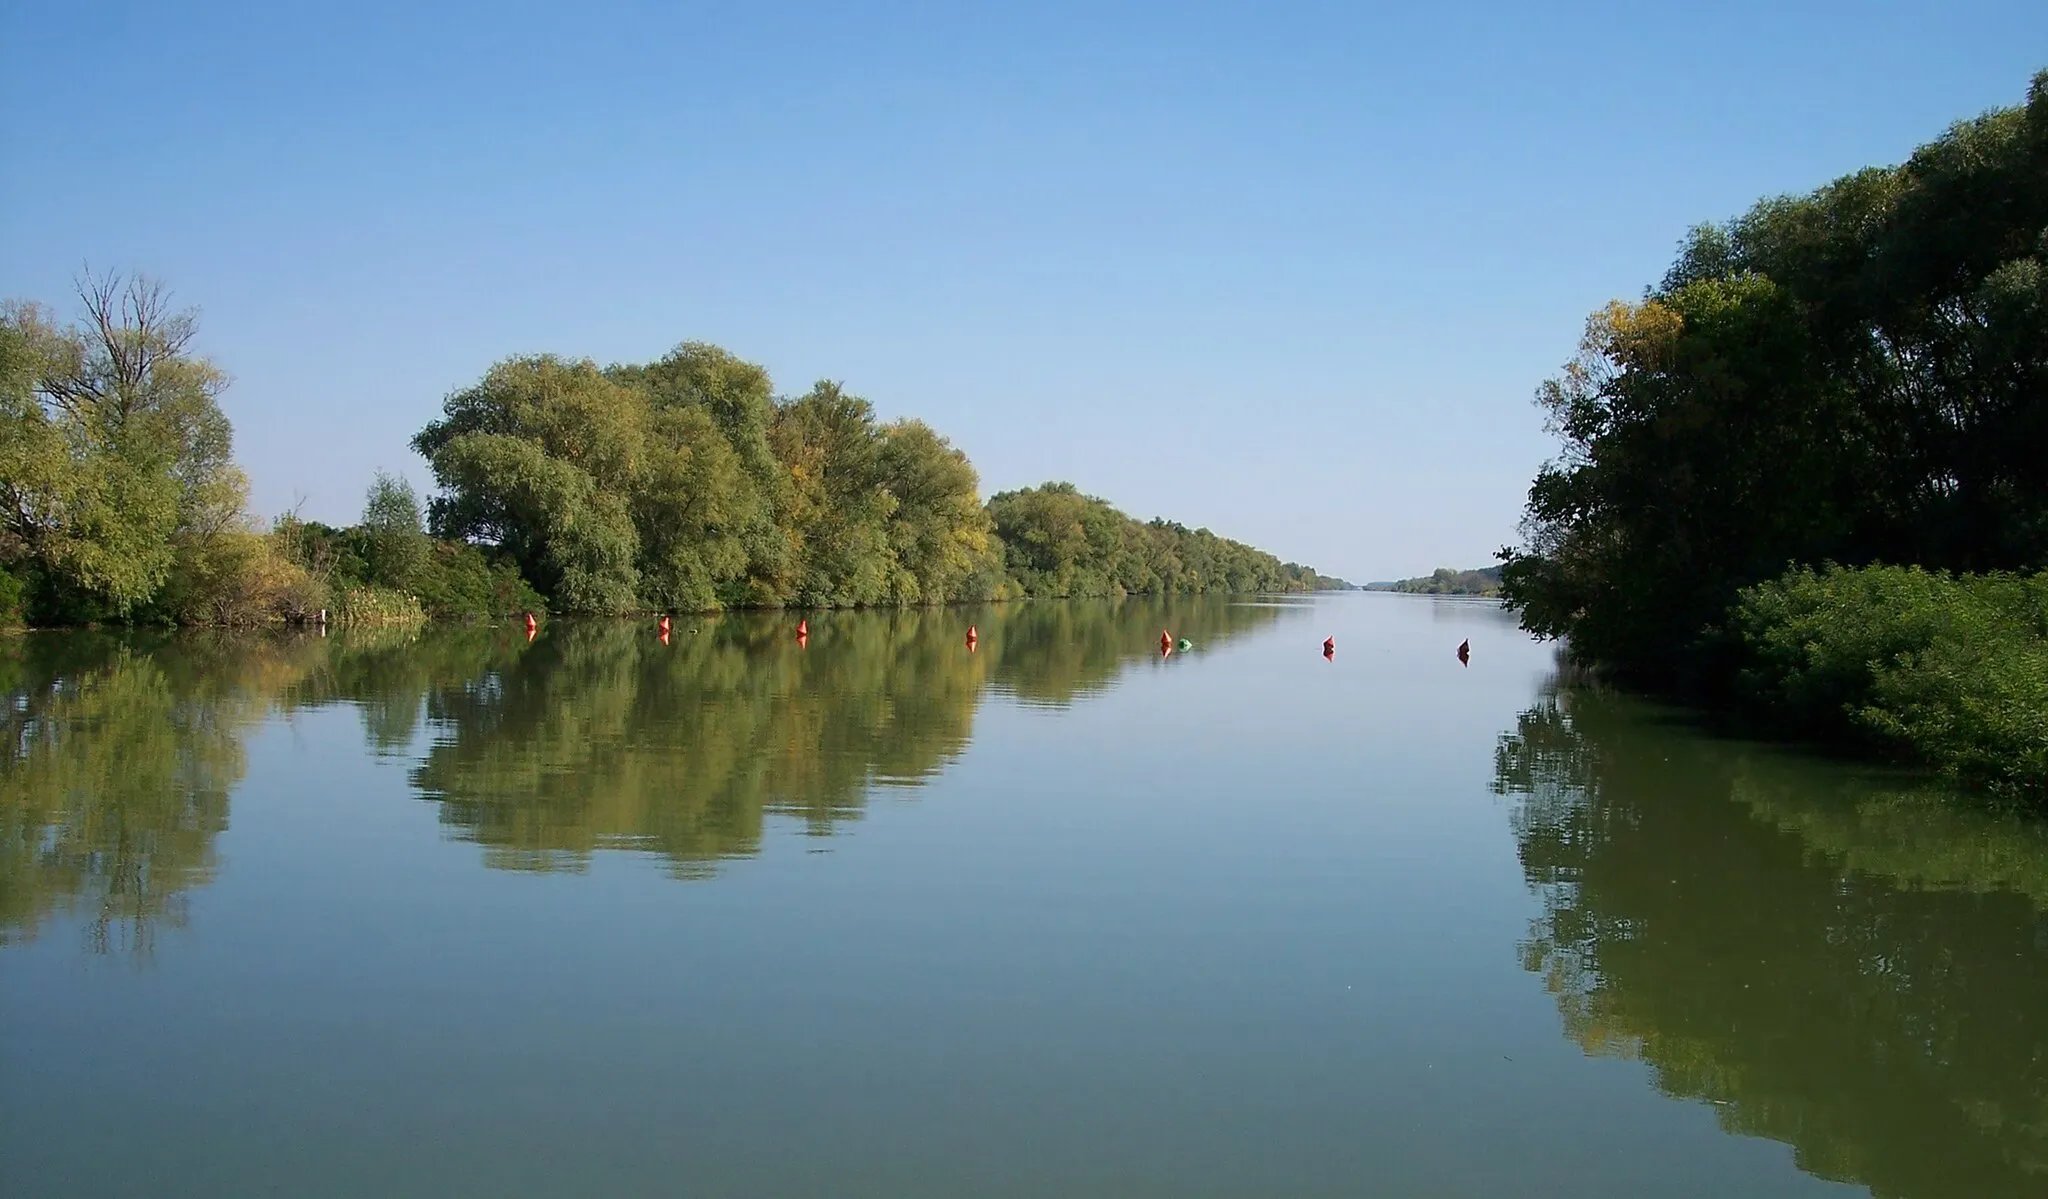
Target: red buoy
[664, 626]
[1465, 652]
[531, 623]
[803, 628]
[1165, 642]
[973, 635]
[1329, 646]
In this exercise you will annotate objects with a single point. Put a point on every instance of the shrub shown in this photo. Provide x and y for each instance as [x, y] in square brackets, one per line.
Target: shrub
[235, 577]
[456, 581]
[1949, 671]
[11, 592]
[375, 605]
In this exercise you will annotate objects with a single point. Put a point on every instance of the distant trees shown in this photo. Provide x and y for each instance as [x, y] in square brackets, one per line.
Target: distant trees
[1060, 542]
[879, 514]
[395, 542]
[684, 484]
[539, 459]
[1447, 581]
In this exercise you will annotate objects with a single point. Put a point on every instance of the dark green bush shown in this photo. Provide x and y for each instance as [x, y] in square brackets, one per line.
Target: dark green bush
[1950, 671]
[11, 591]
[457, 581]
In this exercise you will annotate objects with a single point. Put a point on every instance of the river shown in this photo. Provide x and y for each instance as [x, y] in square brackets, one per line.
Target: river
[880, 914]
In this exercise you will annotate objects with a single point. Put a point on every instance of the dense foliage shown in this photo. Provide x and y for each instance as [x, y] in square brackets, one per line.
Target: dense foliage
[388, 570]
[119, 499]
[1951, 670]
[686, 484]
[1058, 542]
[1856, 375]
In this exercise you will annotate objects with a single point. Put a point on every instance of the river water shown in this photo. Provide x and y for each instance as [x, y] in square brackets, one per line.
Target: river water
[875, 915]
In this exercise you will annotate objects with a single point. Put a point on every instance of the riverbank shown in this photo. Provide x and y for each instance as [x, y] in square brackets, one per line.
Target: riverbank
[1849, 376]
[679, 485]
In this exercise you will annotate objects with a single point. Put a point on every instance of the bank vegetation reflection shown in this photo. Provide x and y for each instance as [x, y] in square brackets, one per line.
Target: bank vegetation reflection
[1849, 966]
[122, 752]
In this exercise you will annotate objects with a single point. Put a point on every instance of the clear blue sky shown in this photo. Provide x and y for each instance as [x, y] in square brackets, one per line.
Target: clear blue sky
[1288, 271]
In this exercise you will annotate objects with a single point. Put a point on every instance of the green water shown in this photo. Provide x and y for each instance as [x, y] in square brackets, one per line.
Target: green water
[460, 914]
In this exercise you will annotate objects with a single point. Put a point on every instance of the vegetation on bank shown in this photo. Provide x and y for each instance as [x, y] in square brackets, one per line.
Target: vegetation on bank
[1855, 376]
[1446, 581]
[685, 484]
[119, 499]
[1949, 669]
[1057, 542]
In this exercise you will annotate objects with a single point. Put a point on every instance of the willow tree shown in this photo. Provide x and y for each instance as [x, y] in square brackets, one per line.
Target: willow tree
[686, 484]
[717, 497]
[841, 508]
[538, 458]
[942, 536]
[115, 458]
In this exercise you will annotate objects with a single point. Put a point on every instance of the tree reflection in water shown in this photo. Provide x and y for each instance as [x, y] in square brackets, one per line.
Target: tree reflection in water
[1837, 962]
[122, 751]
[119, 758]
[600, 736]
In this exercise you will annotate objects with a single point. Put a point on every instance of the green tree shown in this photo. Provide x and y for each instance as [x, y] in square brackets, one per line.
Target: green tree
[111, 445]
[1060, 543]
[1852, 375]
[941, 533]
[538, 459]
[840, 508]
[398, 549]
[751, 492]
[701, 519]
[684, 484]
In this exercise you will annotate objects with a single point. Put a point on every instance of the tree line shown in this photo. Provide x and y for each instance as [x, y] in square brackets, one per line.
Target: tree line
[1847, 380]
[688, 484]
[1445, 580]
[684, 484]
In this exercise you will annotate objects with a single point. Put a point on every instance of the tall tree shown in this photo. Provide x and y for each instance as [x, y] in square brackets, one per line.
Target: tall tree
[1859, 375]
[397, 543]
[942, 535]
[117, 458]
[538, 458]
[840, 508]
[734, 400]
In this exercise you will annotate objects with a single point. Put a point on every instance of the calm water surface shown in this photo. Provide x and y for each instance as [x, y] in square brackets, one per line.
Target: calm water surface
[463, 915]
